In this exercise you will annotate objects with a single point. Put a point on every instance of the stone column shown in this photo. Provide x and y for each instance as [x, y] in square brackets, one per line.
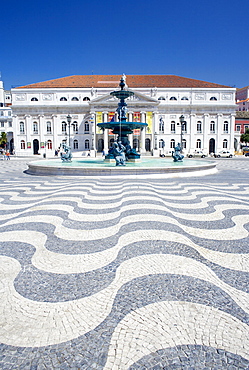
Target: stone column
[130, 116]
[143, 134]
[56, 139]
[205, 133]
[105, 115]
[231, 128]
[28, 132]
[218, 141]
[192, 124]
[130, 136]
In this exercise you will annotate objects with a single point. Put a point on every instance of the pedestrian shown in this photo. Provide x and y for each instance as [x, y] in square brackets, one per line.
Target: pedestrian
[89, 153]
[7, 155]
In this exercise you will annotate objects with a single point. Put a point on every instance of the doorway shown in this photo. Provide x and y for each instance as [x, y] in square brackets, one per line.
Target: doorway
[211, 146]
[35, 146]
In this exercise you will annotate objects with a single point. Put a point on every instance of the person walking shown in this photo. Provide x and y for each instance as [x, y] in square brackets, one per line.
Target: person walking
[7, 155]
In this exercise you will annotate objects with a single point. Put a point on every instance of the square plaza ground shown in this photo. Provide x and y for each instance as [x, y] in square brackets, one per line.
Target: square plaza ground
[105, 273]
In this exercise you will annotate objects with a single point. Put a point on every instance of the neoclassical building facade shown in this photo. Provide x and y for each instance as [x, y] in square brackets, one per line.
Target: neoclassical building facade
[68, 109]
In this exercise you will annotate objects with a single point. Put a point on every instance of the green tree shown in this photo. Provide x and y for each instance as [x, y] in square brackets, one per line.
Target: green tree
[3, 139]
[244, 138]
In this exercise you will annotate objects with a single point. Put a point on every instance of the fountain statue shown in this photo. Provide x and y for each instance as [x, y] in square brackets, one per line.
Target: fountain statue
[122, 128]
[66, 154]
[178, 157]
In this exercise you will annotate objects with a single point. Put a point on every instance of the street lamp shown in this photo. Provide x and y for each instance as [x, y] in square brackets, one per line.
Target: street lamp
[155, 141]
[182, 122]
[69, 119]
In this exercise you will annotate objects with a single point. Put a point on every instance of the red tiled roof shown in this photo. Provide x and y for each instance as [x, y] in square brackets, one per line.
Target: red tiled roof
[133, 81]
[242, 101]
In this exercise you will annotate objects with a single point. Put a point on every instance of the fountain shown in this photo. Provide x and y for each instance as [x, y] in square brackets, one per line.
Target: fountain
[122, 129]
[128, 161]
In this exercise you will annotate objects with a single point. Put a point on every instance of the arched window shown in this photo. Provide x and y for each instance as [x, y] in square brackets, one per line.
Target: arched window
[199, 127]
[173, 98]
[161, 125]
[198, 144]
[161, 98]
[22, 144]
[184, 98]
[49, 127]
[173, 127]
[34, 99]
[87, 144]
[35, 128]
[161, 144]
[22, 131]
[75, 144]
[184, 144]
[63, 99]
[86, 98]
[75, 99]
[225, 144]
[75, 127]
[49, 144]
[172, 143]
[63, 127]
[86, 127]
[213, 98]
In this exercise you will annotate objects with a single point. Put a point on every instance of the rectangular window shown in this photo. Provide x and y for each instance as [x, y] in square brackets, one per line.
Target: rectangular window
[22, 128]
[173, 128]
[2, 124]
[49, 128]
[199, 128]
[35, 128]
[238, 128]
[225, 128]
[86, 127]
[10, 124]
[9, 113]
[212, 128]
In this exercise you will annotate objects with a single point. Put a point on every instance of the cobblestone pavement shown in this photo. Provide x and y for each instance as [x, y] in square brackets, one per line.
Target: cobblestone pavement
[104, 273]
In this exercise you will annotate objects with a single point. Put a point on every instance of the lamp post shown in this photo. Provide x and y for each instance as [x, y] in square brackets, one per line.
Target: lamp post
[69, 119]
[182, 122]
[155, 141]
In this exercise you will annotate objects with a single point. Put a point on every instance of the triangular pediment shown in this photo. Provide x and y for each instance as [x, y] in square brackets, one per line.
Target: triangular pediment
[136, 99]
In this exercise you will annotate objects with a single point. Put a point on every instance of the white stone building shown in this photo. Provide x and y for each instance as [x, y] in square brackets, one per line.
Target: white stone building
[6, 116]
[40, 114]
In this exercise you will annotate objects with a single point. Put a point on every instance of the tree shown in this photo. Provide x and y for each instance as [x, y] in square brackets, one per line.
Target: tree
[3, 139]
[244, 138]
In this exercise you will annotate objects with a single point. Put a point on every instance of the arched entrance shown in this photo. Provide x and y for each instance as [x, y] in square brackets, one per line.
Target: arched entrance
[211, 146]
[235, 144]
[147, 145]
[100, 145]
[11, 145]
[35, 146]
[136, 144]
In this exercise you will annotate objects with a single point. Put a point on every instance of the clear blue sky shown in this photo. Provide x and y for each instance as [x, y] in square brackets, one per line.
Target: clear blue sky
[204, 39]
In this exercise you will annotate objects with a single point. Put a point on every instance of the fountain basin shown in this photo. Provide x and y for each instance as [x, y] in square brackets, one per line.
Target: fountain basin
[148, 167]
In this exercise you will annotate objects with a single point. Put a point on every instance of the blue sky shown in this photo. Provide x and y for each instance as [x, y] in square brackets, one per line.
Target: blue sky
[204, 39]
